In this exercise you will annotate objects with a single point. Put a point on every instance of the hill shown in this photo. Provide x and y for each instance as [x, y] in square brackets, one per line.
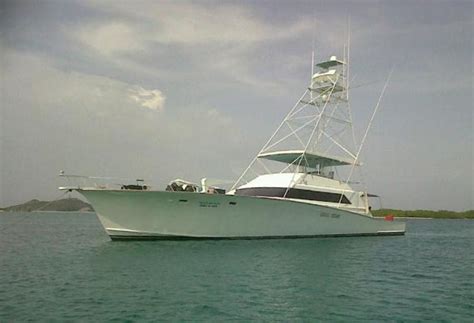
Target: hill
[442, 214]
[65, 205]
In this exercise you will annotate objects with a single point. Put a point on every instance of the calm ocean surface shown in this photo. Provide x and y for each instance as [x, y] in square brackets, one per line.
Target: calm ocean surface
[63, 267]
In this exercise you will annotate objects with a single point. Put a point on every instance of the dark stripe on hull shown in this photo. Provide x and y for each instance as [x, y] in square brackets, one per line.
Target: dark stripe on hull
[174, 238]
[295, 193]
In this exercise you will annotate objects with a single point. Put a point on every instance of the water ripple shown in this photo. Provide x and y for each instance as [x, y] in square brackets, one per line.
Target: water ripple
[58, 267]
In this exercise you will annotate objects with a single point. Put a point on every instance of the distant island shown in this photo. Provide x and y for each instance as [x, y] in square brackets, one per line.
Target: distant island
[442, 214]
[63, 205]
[76, 205]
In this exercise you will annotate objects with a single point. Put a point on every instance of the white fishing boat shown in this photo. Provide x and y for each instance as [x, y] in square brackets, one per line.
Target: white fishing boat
[299, 185]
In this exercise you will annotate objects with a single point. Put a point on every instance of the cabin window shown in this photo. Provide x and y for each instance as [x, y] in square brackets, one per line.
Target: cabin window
[294, 193]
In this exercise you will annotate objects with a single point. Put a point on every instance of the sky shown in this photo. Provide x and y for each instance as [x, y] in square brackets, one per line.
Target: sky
[190, 89]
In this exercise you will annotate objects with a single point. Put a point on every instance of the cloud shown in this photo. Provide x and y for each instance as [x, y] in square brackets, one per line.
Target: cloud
[91, 125]
[224, 40]
[190, 23]
[110, 38]
[151, 99]
[224, 25]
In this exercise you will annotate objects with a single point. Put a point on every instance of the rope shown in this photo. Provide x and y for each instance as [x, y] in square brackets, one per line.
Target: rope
[49, 203]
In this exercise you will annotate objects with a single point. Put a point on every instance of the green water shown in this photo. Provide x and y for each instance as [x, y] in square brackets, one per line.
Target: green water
[62, 267]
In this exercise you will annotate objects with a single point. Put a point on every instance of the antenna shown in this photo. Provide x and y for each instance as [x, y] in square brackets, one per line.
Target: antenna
[312, 57]
[348, 56]
[312, 49]
[370, 124]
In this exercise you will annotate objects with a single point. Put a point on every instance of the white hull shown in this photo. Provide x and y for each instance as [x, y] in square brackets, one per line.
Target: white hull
[183, 215]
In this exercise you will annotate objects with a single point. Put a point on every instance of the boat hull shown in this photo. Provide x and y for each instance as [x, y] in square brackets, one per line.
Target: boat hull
[183, 215]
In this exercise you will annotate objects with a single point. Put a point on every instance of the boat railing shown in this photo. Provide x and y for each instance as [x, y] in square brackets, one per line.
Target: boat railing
[98, 182]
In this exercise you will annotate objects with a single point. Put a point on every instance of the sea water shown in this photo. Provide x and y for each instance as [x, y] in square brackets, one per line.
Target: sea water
[57, 267]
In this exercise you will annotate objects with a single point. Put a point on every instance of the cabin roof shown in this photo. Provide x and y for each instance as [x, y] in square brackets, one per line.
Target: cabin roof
[311, 159]
[330, 63]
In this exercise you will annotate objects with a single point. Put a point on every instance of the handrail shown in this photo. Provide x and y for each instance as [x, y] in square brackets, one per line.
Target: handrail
[101, 182]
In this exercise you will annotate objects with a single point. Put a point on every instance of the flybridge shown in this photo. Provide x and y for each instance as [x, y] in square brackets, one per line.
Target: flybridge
[317, 134]
[313, 142]
[330, 79]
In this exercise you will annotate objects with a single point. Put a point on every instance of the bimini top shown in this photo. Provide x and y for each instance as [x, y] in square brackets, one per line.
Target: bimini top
[333, 61]
[310, 159]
